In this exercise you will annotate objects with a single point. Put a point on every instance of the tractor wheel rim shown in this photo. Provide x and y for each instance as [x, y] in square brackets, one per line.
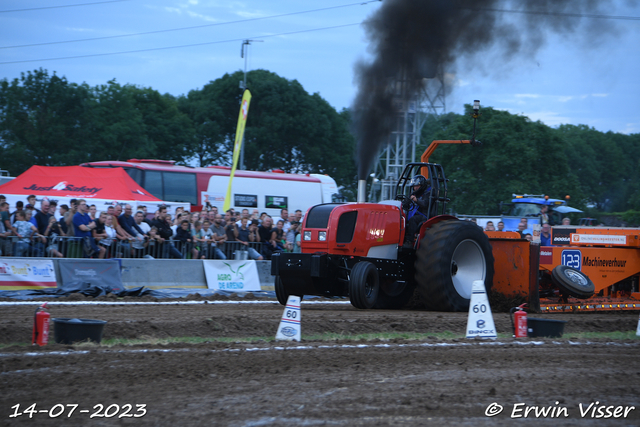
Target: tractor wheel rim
[467, 265]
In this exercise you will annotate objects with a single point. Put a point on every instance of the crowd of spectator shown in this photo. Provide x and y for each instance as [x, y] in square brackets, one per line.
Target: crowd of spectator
[541, 234]
[79, 230]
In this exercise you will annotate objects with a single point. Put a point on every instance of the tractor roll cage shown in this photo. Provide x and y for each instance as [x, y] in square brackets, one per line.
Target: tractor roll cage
[434, 173]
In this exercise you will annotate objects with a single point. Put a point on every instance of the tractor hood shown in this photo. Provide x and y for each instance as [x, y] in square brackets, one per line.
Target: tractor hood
[359, 229]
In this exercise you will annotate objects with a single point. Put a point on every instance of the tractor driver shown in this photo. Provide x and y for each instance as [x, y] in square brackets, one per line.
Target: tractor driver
[420, 196]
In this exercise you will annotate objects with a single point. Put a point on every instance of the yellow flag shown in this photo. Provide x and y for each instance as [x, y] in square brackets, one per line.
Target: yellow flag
[242, 120]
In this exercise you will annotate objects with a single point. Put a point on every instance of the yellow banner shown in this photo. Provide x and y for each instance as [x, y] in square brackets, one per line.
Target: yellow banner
[242, 120]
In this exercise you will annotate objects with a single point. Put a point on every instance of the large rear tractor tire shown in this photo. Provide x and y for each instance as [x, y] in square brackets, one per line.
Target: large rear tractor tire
[452, 255]
[364, 285]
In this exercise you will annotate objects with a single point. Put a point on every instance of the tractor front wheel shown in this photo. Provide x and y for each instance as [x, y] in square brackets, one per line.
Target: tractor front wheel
[364, 285]
[281, 292]
[452, 255]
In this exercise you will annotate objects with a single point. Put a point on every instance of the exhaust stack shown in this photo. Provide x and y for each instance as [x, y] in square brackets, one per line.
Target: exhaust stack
[362, 190]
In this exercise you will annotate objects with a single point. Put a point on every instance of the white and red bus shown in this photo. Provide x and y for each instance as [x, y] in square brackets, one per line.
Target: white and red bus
[266, 191]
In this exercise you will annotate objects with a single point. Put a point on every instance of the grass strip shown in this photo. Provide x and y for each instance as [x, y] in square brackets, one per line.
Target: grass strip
[335, 337]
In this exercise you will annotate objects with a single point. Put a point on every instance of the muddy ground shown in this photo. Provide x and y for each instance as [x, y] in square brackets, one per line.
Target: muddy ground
[340, 382]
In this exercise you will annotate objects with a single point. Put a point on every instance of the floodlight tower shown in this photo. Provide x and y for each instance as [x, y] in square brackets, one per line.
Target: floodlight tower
[244, 53]
[412, 111]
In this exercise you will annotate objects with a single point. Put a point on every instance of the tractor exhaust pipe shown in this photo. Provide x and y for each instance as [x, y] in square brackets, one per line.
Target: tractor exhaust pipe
[362, 190]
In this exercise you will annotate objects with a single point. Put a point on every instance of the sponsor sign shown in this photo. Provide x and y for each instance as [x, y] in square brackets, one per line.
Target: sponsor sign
[561, 236]
[232, 275]
[276, 202]
[245, 201]
[604, 262]
[64, 186]
[603, 239]
[571, 258]
[546, 255]
[214, 199]
[81, 272]
[17, 274]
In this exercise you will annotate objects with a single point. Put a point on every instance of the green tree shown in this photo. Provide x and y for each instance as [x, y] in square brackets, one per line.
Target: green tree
[133, 122]
[46, 120]
[287, 128]
[517, 156]
[604, 163]
[43, 120]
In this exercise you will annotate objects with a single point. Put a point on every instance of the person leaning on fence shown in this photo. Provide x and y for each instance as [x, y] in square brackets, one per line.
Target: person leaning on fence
[183, 237]
[219, 237]
[82, 225]
[105, 234]
[265, 230]
[205, 237]
[53, 233]
[154, 243]
[245, 236]
[290, 236]
[6, 230]
[196, 251]
[24, 231]
[164, 230]
[277, 235]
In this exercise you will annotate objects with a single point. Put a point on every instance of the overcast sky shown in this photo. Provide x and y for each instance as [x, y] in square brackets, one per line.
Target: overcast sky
[592, 79]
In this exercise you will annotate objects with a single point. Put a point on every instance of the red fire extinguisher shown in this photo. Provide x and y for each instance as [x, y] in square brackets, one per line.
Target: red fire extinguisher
[41, 318]
[520, 323]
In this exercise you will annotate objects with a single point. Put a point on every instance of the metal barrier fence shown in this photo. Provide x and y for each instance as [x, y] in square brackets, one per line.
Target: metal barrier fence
[76, 247]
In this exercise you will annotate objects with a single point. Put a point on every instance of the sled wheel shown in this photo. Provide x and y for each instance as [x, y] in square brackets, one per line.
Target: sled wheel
[394, 294]
[452, 255]
[364, 285]
[572, 281]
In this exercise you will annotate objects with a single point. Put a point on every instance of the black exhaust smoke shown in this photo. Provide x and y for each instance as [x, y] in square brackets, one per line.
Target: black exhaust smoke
[411, 39]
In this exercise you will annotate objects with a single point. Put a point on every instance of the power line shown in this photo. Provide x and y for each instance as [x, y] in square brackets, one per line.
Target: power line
[191, 28]
[57, 7]
[573, 15]
[180, 46]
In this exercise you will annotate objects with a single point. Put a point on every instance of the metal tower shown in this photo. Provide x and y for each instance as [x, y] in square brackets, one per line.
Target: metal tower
[405, 137]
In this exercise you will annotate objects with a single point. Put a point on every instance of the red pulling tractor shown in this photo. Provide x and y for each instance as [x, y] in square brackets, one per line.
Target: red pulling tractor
[356, 250]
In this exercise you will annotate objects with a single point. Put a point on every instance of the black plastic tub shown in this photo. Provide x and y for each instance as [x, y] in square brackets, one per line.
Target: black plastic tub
[545, 327]
[68, 331]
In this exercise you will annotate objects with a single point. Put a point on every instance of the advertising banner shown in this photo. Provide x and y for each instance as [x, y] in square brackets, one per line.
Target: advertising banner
[232, 275]
[19, 274]
[104, 273]
[242, 121]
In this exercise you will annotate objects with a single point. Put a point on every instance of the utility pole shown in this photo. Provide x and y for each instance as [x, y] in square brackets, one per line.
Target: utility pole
[244, 53]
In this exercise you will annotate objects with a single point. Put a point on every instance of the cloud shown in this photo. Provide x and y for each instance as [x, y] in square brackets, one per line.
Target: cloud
[631, 128]
[79, 30]
[527, 95]
[600, 95]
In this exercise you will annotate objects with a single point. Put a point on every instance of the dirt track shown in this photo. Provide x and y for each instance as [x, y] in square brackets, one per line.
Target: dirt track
[314, 383]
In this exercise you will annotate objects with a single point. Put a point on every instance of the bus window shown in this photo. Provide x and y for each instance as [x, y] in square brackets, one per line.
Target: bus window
[275, 202]
[135, 174]
[153, 183]
[180, 187]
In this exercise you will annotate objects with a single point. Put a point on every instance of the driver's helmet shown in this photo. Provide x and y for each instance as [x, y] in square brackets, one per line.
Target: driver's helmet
[418, 180]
